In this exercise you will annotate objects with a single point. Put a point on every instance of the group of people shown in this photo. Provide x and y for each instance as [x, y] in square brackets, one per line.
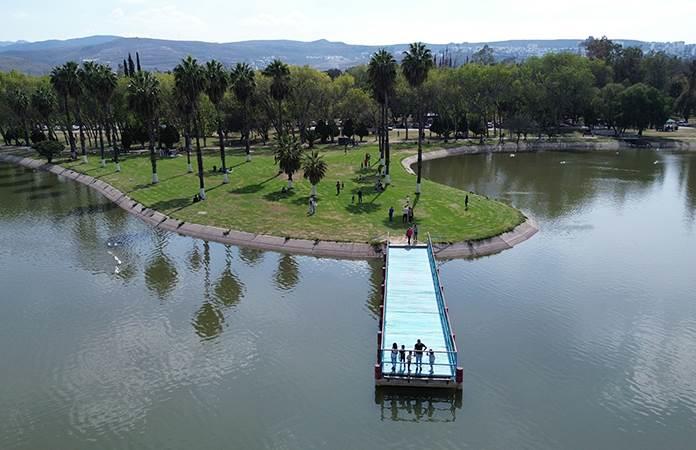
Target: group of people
[412, 234]
[404, 358]
[365, 162]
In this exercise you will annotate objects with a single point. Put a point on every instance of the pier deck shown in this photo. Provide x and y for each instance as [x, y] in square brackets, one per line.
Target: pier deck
[414, 308]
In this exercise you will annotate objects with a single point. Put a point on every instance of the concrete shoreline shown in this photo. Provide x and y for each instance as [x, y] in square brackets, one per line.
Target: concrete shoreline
[318, 248]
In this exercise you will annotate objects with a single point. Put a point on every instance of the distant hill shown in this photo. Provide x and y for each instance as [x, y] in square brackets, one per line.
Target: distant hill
[159, 54]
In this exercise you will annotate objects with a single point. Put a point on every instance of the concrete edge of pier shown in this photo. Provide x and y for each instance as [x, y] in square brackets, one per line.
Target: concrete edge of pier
[319, 248]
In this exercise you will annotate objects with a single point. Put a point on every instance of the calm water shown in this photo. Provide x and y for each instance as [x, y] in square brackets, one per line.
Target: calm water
[583, 337]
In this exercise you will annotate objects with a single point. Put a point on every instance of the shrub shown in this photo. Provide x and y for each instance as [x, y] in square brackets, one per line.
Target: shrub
[49, 149]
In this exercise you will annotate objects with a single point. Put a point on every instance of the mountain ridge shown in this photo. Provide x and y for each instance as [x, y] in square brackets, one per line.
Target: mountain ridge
[163, 54]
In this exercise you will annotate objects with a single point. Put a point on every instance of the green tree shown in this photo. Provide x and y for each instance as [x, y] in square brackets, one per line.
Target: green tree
[49, 149]
[216, 86]
[144, 100]
[243, 85]
[279, 73]
[289, 155]
[66, 82]
[190, 82]
[314, 168]
[43, 101]
[416, 64]
[382, 74]
[19, 103]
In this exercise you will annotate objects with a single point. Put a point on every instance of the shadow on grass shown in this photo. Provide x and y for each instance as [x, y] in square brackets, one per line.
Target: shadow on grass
[364, 208]
[172, 205]
[279, 195]
[253, 188]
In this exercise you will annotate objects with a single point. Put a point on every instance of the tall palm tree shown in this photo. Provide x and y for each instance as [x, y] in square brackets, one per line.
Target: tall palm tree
[19, 103]
[144, 100]
[100, 83]
[314, 168]
[382, 74]
[279, 72]
[43, 101]
[289, 156]
[189, 80]
[106, 81]
[67, 84]
[416, 64]
[243, 85]
[217, 82]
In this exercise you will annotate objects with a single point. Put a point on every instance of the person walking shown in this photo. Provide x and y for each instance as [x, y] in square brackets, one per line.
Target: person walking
[410, 214]
[391, 214]
[402, 358]
[415, 233]
[404, 215]
[409, 234]
[338, 187]
[394, 355]
[359, 196]
[466, 202]
[431, 358]
[419, 347]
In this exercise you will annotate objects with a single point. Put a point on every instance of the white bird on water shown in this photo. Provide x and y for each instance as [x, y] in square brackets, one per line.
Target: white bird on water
[512, 155]
[563, 162]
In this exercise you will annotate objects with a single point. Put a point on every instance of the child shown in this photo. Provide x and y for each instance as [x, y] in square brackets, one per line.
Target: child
[431, 358]
[402, 357]
[408, 362]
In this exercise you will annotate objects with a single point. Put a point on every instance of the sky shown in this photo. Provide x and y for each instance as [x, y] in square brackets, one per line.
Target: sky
[351, 21]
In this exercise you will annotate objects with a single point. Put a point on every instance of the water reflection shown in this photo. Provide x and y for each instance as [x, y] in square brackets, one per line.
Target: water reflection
[552, 185]
[374, 300]
[418, 405]
[226, 292]
[161, 275]
[288, 273]
[250, 256]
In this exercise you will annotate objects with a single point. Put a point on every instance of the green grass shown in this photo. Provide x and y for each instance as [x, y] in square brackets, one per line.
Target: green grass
[253, 200]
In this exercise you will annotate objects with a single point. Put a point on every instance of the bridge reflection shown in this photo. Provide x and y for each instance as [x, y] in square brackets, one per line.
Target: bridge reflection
[418, 405]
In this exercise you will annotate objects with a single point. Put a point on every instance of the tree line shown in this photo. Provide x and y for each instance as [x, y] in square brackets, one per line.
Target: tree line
[97, 107]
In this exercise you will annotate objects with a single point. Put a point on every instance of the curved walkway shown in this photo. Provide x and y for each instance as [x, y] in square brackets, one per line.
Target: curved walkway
[317, 248]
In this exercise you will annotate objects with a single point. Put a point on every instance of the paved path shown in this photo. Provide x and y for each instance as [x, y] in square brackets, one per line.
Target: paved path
[348, 250]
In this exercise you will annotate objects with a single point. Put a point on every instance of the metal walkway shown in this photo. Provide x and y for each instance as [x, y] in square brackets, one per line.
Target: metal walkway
[414, 308]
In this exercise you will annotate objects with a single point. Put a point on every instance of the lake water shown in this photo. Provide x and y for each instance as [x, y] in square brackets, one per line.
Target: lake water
[114, 335]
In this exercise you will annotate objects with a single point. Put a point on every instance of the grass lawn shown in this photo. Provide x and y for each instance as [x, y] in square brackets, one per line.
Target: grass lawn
[253, 200]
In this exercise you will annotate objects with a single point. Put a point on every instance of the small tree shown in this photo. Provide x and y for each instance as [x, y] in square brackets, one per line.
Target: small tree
[314, 168]
[362, 131]
[49, 149]
[289, 156]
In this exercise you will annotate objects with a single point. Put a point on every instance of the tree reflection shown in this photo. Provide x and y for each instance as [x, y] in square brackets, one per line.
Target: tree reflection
[288, 273]
[161, 275]
[251, 256]
[226, 292]
[376, 279]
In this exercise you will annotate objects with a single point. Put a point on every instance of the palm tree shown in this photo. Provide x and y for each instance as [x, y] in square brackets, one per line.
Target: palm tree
[289, 156]
[314, 168]
[43, 101]
[189, 79]
[382, 74]
[144, 100]
[279, 72]
[100, 83]
[19, 103]
[243, 85]
[217, 82]
[417, 62]
[67, 84]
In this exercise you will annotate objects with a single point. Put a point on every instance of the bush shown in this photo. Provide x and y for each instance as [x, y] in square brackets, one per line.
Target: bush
[169, 136]
[49, 149]
[37, 136]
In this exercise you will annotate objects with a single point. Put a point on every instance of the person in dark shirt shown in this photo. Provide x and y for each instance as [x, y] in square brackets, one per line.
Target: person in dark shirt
[402, 357]
[419, 347]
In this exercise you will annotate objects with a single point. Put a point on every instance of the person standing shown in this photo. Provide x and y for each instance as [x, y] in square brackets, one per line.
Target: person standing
[415, 233]
[419, 347]
[402, 358]
[466, 202]
[431, 358]
[404, 214]
[409, 234]
[359, 196]
[408, 362]
[394, 355]
[338, 187]
[391, 214]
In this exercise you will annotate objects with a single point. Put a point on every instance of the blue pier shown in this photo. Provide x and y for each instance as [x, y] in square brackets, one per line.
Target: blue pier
[414, 308]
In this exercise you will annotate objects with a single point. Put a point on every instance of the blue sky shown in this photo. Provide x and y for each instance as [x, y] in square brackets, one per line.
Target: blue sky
[353, 21]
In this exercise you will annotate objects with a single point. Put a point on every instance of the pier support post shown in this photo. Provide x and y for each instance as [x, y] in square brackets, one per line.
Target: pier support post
[378, 372]
[460, 375]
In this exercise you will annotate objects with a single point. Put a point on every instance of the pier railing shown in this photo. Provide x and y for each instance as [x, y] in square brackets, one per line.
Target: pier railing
[402, 369]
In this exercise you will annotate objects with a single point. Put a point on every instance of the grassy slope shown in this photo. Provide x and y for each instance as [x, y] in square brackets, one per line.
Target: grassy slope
[253, 200]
